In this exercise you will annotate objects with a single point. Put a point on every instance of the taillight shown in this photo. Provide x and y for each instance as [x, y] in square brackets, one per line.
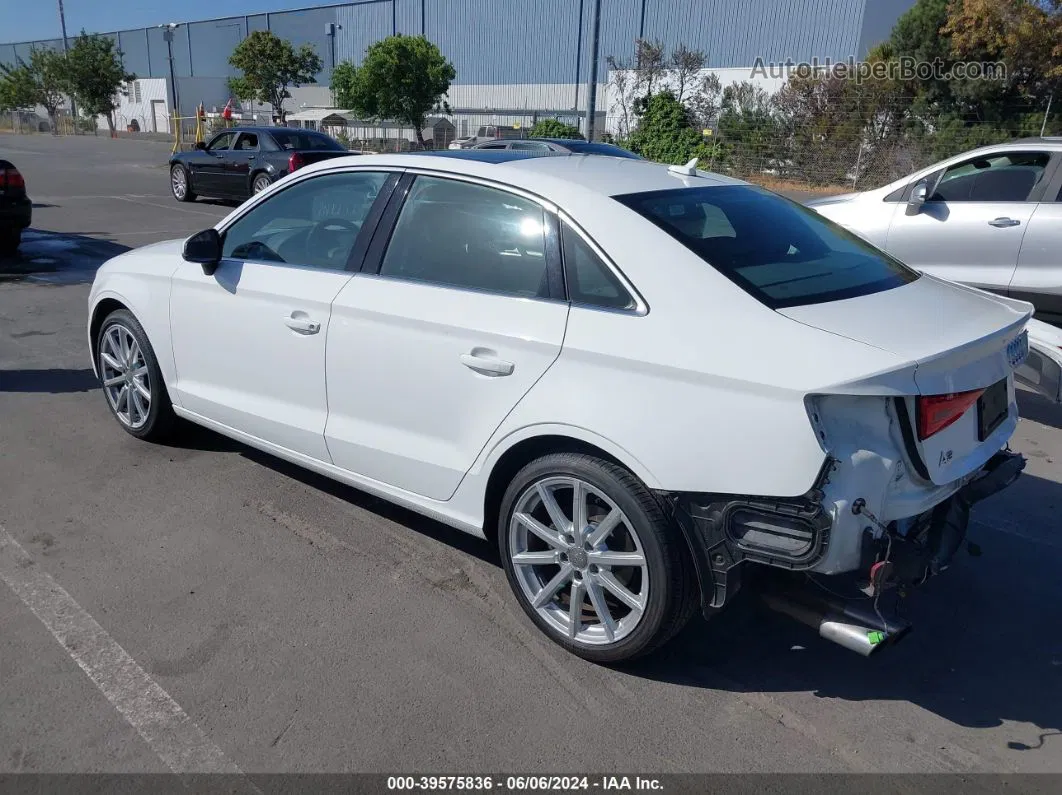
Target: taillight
[937, 412]
[11, 179]
[295, 162]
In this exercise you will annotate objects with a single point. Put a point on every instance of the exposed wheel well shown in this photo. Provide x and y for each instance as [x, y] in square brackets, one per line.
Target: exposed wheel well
[516, 458]
[99, 314]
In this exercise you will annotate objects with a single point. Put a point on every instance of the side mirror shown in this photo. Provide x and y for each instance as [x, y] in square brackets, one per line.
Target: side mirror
[200, 145]
[918, 198]
[205, 248]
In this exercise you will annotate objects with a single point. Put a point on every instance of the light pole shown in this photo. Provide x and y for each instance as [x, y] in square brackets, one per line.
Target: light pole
[167, 34]
[66, 49]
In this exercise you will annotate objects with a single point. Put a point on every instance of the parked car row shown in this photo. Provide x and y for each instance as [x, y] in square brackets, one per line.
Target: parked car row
[643, 383]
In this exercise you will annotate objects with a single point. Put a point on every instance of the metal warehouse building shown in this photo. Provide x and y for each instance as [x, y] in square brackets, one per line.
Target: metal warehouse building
[516, 60]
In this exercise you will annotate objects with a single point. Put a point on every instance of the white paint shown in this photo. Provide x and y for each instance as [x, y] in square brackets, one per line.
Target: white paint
[136, 103]
[149, 709]
[703, 389]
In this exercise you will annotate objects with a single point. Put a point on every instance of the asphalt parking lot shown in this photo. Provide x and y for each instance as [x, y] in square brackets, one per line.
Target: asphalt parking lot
[296, 625]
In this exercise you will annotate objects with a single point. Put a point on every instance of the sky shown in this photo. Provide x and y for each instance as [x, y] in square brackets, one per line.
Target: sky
[30, 21]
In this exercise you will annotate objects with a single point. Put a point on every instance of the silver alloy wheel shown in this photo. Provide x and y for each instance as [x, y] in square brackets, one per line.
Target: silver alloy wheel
[584, 571]
[124, 372]
[261, 182]
[179, 182]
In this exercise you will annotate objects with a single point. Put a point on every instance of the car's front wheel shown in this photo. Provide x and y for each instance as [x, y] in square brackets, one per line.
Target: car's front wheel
[180, 184]
[592, 558]
[131, 378]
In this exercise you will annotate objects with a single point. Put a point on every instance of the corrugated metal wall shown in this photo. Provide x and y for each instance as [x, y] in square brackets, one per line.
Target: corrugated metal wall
[530, 43]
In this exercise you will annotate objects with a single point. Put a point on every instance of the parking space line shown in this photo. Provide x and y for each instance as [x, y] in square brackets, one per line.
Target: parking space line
[168, 207]
[149, 709]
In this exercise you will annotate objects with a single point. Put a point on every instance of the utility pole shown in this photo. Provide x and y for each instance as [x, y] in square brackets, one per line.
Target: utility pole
[167, 34]
[66, 49]
[591, 83]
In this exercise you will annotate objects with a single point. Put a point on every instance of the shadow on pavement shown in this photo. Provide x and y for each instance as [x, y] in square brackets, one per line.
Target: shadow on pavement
[986, 648]
[55, 381]
[56, 258]
[1038, 409]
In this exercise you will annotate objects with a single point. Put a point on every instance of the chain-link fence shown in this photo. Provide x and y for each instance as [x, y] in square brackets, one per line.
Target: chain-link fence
[852, 146]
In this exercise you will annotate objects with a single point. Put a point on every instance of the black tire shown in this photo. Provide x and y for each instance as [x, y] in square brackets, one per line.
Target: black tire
[160, 419]
[179, 171]
[672, 595]
[10, 240]
[260, 183]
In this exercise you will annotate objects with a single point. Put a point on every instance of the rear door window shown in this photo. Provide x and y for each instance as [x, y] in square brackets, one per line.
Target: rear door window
[782, 253]
[458, 234]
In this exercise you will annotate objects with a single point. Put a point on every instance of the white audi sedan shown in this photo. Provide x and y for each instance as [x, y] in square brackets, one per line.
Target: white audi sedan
[642, 382]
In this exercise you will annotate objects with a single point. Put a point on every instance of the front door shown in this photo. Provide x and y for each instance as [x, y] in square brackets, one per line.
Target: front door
[249, 340]
[428, 356]
[208, 165]
[971, 227]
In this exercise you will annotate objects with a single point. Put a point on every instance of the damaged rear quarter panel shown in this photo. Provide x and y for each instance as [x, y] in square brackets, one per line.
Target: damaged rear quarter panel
[863, 436]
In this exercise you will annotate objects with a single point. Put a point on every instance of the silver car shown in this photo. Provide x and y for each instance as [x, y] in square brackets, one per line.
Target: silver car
[560, 145]
[991, 218]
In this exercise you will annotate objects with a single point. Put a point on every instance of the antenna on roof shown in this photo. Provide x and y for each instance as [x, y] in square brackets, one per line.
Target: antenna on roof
[688, 170]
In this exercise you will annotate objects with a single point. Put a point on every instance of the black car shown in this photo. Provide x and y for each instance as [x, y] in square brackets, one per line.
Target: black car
[16, 209]
[241, 161]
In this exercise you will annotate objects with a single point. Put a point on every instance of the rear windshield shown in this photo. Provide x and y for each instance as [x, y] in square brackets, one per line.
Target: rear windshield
[587, 148]
[782, 253]
[303, 140]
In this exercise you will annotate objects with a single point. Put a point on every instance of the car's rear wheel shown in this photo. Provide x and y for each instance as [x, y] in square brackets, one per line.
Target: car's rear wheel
[261, 182]
[131, 378]
[10, 239]
[592, 559]
[180, 184]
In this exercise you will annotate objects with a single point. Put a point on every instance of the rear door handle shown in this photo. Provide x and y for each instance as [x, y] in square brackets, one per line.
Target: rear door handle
[486, 363]
[1003, 223]
[302, 324]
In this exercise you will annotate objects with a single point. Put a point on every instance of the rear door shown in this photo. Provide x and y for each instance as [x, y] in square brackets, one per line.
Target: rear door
[971, 227]
[241, 159]
[1038, 277]
[454, 318]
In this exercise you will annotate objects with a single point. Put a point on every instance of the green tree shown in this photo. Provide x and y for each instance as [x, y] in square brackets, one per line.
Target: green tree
[270, 65]
[750, 126]
[552, 128]
[42, 81]
[17, 88]
[665, 132]
[402, 79]
[96, 76]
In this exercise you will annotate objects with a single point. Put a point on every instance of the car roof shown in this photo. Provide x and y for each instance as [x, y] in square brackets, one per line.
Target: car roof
[272, 130]
[545, 172]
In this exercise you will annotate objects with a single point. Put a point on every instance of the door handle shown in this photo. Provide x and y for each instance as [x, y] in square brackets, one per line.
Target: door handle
[250, 157]
[302, 324]
[1003, 223]
[486, 364]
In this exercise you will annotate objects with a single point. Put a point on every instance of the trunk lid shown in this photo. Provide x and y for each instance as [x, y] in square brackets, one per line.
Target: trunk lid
[957, 339]
[317, 155]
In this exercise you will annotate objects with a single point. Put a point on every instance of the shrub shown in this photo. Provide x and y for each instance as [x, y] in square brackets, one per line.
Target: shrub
[664, 131]
[552, 128]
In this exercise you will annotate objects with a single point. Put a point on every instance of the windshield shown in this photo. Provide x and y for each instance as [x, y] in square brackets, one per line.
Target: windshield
[780, 252]
[303, 140]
